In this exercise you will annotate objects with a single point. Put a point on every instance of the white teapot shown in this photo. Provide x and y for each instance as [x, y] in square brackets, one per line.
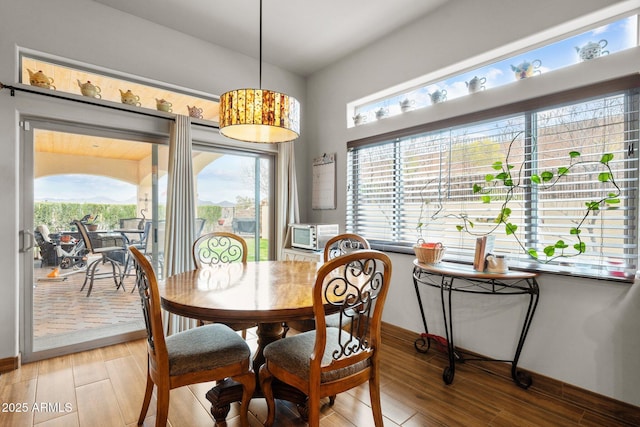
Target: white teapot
[359, 119]
[89, 89]
[406, 104]
[476, 84]
[163, 105]
[382, 113]
[438, 96]
[592, 50]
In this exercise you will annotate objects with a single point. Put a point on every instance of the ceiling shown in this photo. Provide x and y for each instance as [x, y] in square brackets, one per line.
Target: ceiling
[301, 36]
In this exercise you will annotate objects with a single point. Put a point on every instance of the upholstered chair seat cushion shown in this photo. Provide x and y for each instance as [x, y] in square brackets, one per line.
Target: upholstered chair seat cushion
[207, 347]
[293, 354]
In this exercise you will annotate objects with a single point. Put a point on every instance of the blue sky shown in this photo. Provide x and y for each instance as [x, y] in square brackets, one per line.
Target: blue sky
[226, 178]
[82, 187]
[222, 180]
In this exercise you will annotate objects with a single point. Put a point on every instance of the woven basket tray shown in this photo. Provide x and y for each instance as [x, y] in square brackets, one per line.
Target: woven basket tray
[429, 255]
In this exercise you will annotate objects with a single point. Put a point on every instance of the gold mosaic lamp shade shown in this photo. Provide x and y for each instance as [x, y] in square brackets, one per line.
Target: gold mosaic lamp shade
[259, 115]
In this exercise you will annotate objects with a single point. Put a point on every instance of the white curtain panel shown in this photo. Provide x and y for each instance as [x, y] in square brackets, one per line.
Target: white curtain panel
[181, 211]
[288, 211]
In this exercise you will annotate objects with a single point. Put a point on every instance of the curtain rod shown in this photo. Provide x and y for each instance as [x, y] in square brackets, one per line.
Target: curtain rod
[82, 101]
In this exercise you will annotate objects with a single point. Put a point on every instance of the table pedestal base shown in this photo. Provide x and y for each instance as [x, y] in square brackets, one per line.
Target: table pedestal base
[228, 391]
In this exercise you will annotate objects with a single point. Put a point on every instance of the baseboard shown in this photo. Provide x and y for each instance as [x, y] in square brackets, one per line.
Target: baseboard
[9, 364]
[569, 393]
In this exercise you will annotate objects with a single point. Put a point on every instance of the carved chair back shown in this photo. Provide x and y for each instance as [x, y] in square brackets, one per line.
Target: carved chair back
[343, 244]
[219, 248]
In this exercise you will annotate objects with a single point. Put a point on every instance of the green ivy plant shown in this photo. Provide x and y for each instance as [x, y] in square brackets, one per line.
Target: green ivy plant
[505, 177]
[423, 209]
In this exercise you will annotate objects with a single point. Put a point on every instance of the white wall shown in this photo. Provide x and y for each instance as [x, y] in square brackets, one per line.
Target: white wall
[89, 32]
[585, 331]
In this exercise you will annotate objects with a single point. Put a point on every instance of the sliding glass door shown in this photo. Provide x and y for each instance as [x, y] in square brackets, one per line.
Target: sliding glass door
[116, 182]
[110, 182]
[235, 193]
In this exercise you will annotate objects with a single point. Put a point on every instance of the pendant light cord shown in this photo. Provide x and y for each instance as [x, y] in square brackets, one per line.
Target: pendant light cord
[260, 77]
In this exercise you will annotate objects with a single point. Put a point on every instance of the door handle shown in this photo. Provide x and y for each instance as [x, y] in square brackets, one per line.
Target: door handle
[27, 240]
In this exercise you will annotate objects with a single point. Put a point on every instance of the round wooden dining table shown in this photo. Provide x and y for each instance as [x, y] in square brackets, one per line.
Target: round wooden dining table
[268, 293]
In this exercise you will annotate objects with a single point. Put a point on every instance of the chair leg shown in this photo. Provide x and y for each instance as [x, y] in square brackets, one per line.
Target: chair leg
[87, 275]
[86, 278]
[117, 277]
[265, 385]
[91, 272]
[146, 401]
[248, 382]
[313, 404]
[285, 329]
[162, 411]
[374, 396]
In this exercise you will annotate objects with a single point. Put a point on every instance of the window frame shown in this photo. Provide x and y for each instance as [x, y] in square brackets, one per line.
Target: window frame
[527, 107]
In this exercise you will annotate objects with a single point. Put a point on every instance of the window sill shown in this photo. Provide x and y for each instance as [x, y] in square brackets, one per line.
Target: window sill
[618, 276]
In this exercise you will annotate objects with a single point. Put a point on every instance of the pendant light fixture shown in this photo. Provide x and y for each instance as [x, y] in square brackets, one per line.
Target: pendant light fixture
[259, 115]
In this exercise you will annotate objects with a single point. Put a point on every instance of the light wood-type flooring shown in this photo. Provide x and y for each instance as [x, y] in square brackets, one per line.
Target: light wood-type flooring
[104, 387]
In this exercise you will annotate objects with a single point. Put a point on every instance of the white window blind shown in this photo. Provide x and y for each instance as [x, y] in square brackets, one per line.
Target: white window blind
[420, 185]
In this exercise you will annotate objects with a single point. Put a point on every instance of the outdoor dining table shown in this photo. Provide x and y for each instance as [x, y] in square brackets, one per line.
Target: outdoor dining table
[127, 232]
[266, 292]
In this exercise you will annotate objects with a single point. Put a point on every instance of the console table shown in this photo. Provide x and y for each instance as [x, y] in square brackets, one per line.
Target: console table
[452, 277]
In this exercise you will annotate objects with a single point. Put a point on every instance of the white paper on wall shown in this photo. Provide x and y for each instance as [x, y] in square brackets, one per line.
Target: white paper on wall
[324, 182]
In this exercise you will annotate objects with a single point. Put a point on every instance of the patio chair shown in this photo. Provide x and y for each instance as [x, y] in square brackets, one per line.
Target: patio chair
[327, 360]
[244, 226]
[198, 355]
[93, 272]
[155, 235]
[158, 235]
[139, 240]
[217, 248]
[200, 226]
[48, 248]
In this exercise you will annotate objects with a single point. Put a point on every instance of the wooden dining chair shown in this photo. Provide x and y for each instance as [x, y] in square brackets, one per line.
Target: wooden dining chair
[209, 353]
[343, 244]
[338, 245]
[93, 271]
[330, 360]
[217, 248]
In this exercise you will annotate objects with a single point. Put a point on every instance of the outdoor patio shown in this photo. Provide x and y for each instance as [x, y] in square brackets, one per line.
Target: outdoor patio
[62, 310]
